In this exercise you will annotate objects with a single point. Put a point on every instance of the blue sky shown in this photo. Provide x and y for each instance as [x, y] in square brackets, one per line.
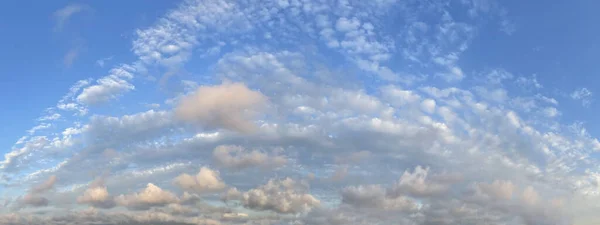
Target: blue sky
[299, 112]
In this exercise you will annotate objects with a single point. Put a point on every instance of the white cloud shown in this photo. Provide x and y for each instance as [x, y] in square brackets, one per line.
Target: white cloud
[418, 184]
[229, 105]
[206, 181]
[53, 116]
[97, 197]
[109, 87]
[550, 112]
[584, 95]
[41, 126]
[151, 196]
[428, 105]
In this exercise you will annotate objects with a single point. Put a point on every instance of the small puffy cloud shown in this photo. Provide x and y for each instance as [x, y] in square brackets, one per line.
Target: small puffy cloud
[229, 105]
[206, 181]
[237, 157]
[97, 197]
[347, 25]
[282, 196]
[151, 196]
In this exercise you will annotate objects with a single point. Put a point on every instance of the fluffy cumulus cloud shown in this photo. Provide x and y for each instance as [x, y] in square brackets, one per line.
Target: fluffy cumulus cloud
[229, 105]
[282, 196]
[150, 196]
[206, 181]
[308, 112]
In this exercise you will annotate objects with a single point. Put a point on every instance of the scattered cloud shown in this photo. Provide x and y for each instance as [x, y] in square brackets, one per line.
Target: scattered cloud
[151, 196]
[63, 15]
[103, 61]
[354, 126]
[229, 105]
[584, 95]
[206, 181]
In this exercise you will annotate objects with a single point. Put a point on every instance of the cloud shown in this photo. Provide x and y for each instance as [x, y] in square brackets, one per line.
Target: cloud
[71, 56]
[45, 186]
[418, 184]
[34, 200]
[321, 111]
[237, 157]
[151, 196]
[584, 95]
[50, 117]
[63, 15]
[102, 62]
[229, 105]
[206, 181]
[34, 196]
[109, 87]
[499, 189]
[375, 197]
[282, 196]
[97, 197]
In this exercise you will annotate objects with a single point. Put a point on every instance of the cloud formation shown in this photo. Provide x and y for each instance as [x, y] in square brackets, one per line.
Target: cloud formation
[390, 126]
[206, 181]
[151, 196]
[237, 157]
[229, 105]
[64, 14]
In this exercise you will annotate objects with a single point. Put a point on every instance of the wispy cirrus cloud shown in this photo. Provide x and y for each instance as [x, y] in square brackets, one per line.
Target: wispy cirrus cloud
[63, 15]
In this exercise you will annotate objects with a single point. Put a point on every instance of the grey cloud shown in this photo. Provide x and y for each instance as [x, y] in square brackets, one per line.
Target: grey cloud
[45, 186]
[238, 157]
[282, 196]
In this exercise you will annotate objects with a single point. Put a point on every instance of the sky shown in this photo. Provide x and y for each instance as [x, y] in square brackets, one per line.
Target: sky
[303, 112]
